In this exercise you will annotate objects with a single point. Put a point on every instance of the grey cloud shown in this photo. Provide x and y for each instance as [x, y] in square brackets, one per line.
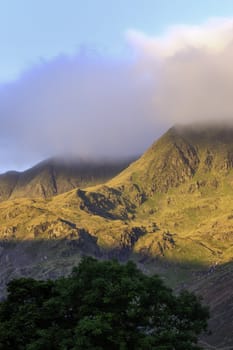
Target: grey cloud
[85, 105]
[91, 105]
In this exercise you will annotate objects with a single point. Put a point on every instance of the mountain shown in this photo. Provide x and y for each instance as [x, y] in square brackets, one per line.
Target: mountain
[171, 211]
[179, 155]
[55, 176]
[216, 286]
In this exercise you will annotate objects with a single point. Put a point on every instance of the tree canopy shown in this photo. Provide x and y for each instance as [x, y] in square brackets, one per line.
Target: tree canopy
[101, 305]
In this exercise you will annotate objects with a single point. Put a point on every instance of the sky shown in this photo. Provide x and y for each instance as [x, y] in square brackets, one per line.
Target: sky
[100, 78]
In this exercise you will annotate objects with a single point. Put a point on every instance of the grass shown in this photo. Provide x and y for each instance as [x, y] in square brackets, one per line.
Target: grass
[184, 208]
[194, 208]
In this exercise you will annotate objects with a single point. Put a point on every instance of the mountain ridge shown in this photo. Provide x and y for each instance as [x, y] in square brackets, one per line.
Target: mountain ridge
[170, 211]
[55, 176]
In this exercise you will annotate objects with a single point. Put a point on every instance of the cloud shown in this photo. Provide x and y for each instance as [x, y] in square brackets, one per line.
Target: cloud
[214, 35]
[84, 105]
[192, 70]
[92, 105]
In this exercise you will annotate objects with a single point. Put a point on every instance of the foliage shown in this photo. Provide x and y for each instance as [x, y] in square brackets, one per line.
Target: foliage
[101, 305]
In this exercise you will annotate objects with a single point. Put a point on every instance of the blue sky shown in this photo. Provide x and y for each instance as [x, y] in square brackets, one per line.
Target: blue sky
[32, 30]
[105, 78]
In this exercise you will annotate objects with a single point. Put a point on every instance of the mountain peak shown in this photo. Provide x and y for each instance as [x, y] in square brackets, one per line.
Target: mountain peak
[205, 132]
[183, 152]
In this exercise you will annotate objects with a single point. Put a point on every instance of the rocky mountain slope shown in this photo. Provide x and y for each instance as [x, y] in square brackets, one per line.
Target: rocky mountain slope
[216, 286]
[171, 211]
[55, 176]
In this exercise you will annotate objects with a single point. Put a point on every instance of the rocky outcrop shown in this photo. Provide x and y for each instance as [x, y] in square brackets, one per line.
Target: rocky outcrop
[157, 245]
[108, 202]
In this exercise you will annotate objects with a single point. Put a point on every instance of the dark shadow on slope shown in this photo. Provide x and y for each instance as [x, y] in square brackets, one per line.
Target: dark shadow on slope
[52, 258]
[108, 203]
[216, 288]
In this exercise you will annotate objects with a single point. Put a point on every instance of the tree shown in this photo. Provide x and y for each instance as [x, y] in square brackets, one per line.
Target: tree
[101, 305]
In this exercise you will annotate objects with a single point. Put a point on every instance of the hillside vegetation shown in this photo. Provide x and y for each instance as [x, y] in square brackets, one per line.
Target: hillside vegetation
[171, 211]
[101, 305]
[174, 202]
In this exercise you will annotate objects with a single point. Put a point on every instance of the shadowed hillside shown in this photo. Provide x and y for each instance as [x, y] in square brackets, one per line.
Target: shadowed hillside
[56, 176]
[215, 286]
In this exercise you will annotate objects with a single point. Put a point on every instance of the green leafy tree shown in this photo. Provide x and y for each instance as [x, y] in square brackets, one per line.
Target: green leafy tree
[102, 305]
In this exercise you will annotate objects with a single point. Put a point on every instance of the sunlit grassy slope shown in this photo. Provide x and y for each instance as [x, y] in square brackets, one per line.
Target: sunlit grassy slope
[171, 211]
[175, 202]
